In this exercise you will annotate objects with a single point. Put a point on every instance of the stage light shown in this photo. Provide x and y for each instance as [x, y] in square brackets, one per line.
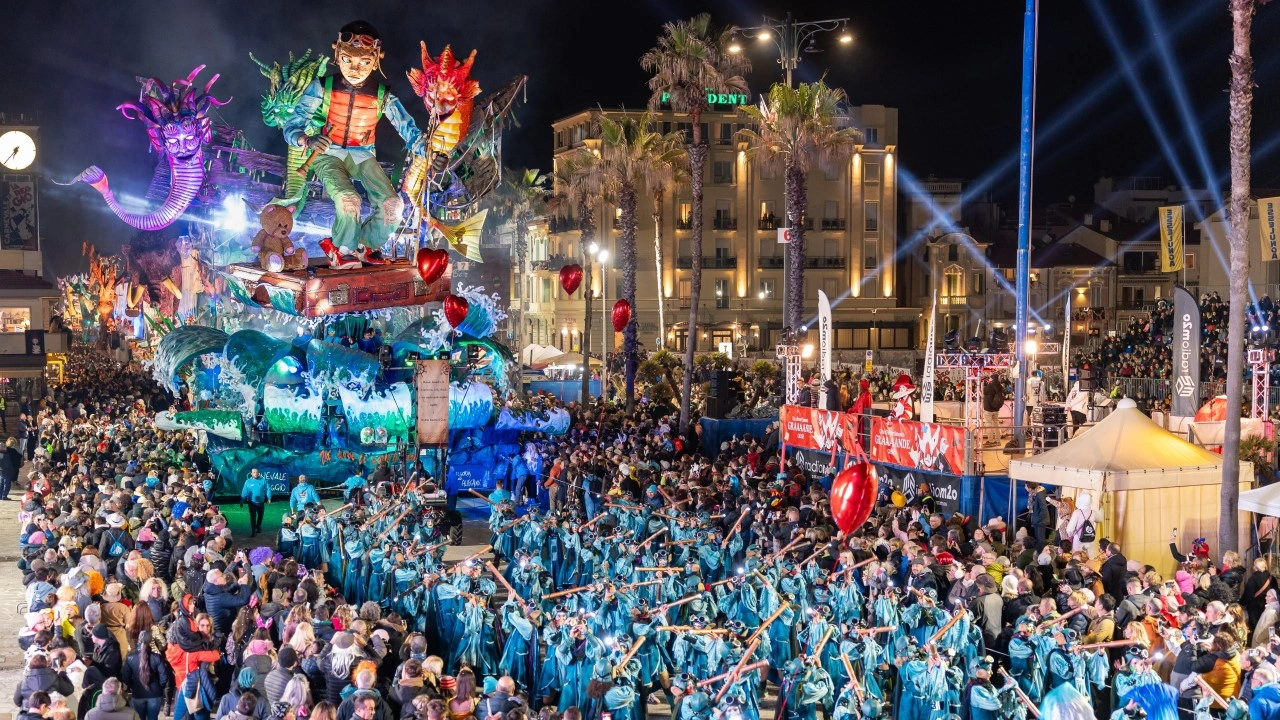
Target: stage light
[1031, 346]
[999, 342]
[807, 351]
[232, 218]
[951, 341]
[973, 344]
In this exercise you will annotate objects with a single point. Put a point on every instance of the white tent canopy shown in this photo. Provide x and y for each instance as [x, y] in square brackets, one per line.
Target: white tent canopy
[1263, 500]
[1126, 451]
[535, 354]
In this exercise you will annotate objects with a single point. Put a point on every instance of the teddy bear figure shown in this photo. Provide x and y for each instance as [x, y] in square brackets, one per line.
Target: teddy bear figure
[275, 250]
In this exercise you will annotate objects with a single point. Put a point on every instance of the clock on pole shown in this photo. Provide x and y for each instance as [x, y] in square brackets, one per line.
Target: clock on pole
[19, 191]
[17, 150]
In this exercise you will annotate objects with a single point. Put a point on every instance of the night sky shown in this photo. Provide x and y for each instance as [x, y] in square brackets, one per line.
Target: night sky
[953, 68]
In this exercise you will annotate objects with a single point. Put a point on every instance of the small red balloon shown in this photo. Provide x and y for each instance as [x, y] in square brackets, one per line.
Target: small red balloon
[853, 496]
[570, 278]
[621, 314]
[456, 308]
[432, 262]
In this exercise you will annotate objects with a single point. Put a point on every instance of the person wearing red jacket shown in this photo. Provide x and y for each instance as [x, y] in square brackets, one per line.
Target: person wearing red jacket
[189, 645]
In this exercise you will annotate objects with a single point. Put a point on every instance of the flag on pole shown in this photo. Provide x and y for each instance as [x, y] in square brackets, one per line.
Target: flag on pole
[926, 385]
[1171, 257]
[1268, 208]
[824, 343]
[1066, 349]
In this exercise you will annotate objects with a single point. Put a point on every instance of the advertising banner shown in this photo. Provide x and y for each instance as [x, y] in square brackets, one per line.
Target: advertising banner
[18, 229]
[944, 488]
[1268, 227]
[1186, 354]
[905, 443]
[432, 379]
[806, 427]
[917, 445]
[1171, 257]
[824, 344]
[927, 384]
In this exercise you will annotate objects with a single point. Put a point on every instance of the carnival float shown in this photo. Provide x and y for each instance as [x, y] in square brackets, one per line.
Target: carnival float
[296, 343]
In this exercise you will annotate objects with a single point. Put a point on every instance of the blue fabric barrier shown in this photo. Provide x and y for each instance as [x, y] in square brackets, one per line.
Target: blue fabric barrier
[716, 431]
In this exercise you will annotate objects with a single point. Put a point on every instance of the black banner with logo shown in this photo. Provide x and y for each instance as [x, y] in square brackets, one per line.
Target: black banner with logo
[1186, 353]
[944, 488]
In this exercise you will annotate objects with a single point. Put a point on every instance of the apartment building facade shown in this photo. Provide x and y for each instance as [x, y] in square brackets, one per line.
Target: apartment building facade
[850, 236]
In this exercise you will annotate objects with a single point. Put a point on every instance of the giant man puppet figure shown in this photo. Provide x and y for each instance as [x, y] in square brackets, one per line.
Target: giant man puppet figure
[337, 117]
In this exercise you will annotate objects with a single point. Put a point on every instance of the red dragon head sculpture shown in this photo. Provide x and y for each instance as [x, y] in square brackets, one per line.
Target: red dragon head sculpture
[444, 84]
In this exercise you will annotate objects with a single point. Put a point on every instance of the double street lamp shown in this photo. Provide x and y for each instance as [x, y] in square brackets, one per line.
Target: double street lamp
[787, 36]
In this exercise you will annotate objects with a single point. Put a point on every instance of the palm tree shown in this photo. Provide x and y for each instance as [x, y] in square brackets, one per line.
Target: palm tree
[799, 128]
[1240, 114]
[691, 61]
[521, 198]
[578, 183]
[630, 149]
[662, 176]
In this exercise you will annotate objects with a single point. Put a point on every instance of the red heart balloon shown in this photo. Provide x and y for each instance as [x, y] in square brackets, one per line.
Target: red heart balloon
[456, 308]
[432, 263]
[570, 278]
[853, 496]
[621, 314]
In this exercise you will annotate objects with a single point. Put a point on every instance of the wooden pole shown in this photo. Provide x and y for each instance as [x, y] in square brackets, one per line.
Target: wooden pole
[769, 620]
[483, 497]
[676, 603]
[498, 576]
[653, 537]
[635, 647]
[724, 676]
[734, 530]
[1054, 621]
[737, 670]
[1104, 645]
[562, 593]
[853, 681]
[1017, 689]
[513, 523]
[943, 630]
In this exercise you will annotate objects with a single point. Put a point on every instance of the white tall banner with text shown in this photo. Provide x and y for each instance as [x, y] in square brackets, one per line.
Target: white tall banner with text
[927, 384]
[824, 343]
[1066, 350]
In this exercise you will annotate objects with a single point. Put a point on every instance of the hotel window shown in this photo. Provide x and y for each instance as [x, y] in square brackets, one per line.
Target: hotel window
[768, 216]
[768, 246]
[871, 135]
[829, 286]
[766, 289]
[953, 252]
[726, 133]
[953, 283]
[1189, 261]
[722, 293]
[979, 284]
[869, 261]
[871, 173]
[722, 172]
[722, 248]
[871, 213]
[768, 171]
[685, 217]
[724, 215]
[831, 210]
[686, 289]
[832, 172]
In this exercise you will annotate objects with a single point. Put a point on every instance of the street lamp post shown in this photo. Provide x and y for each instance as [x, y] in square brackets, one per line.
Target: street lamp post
[787, 36]
[602, 256]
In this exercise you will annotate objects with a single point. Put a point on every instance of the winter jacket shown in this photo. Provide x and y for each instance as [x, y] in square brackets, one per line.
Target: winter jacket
[1220, 671]
[275, 682]
[227, 705]
[187, 646]
[107, 656]
[1115, 574]
[111, 707]
[992, 396]
[222, 602]
[987, 610]
[1265, 704]
[45, 680]
[159, 677]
